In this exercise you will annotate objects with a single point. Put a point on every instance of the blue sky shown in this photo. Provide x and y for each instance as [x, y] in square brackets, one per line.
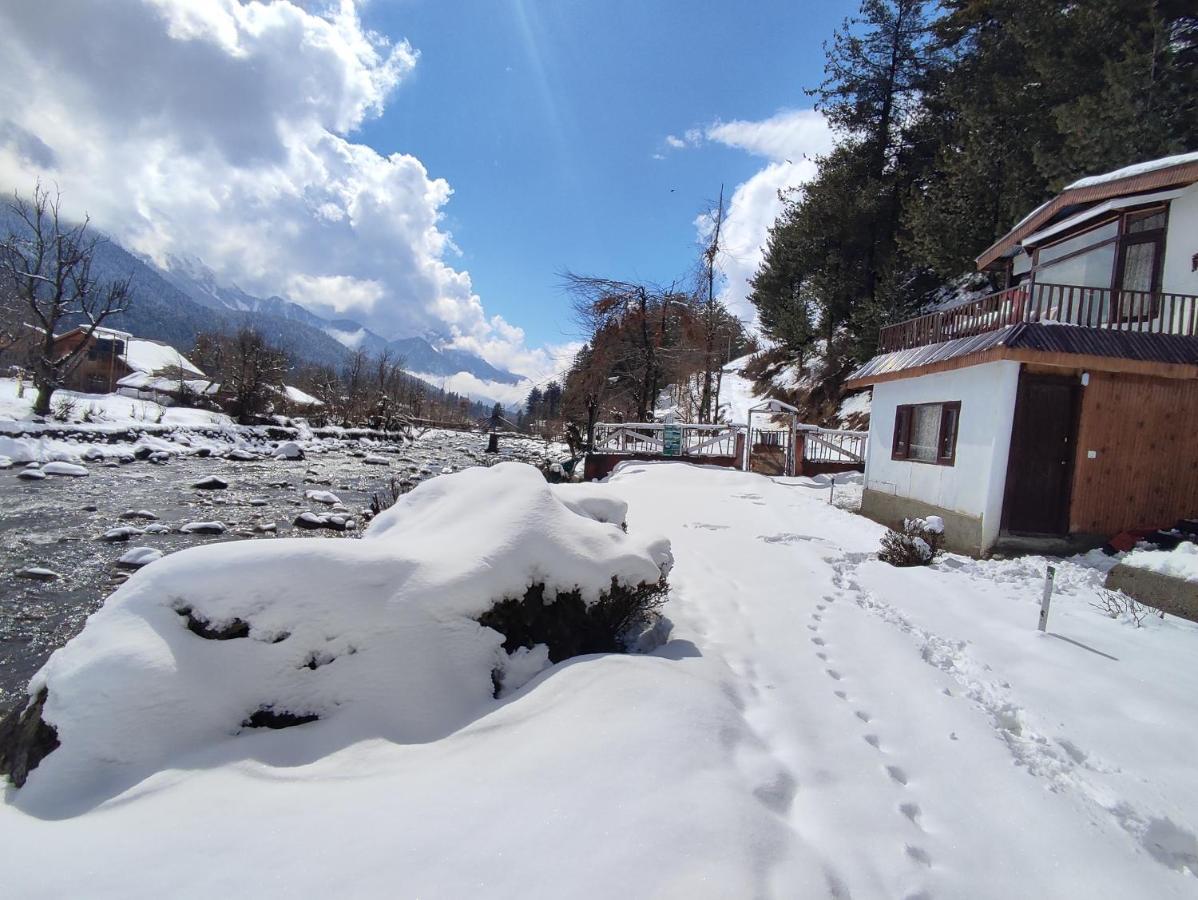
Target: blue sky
[420, 166]
[545, 118]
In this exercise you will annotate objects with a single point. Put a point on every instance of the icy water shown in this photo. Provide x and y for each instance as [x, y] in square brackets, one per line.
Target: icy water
[55, 523]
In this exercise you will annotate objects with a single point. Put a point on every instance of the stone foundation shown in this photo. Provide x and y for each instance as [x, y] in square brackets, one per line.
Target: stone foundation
[962, 533]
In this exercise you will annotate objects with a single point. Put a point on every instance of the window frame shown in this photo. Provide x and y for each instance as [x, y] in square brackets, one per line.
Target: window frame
[904, 415]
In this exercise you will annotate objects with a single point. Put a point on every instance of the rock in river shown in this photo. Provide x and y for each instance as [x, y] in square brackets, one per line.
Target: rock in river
[211, 483]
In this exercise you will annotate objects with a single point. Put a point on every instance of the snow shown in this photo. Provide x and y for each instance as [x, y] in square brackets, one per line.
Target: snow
[1137, 169]
[1180, 562]
[150, 356]
[322, 497]
[736, 392]
[139, 557]
[106, 411]
[820, 724]
[858, 404]
[300, 398]
[65, 468]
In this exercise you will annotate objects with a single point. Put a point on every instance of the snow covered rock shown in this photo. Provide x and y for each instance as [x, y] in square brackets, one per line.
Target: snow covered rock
[138, 557]
[374, 459]
[322, 497]
[289, 450]
[330, 521]
[38, 573]
[32, 474]
[239, 454]
[5, 462]
[203, 528]
[202, 656]
[211, 483]
[120, 534]
[138, 514]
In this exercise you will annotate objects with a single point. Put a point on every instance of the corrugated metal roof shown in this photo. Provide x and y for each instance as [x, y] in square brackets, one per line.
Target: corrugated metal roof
[915, 357]
[1165, 348]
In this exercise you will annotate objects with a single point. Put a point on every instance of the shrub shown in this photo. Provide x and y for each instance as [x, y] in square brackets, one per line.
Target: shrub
[93, 413]
[64, 408]
[387, 499]
[568, 626]
[916, 545]
[1118, 605]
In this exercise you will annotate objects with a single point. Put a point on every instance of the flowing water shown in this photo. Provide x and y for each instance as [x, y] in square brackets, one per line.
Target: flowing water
[56, 523]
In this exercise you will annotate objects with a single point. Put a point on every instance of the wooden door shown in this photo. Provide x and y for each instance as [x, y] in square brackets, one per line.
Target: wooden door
[1043, 445]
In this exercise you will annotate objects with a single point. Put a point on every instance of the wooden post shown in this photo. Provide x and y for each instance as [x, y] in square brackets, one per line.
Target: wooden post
[1049, 576]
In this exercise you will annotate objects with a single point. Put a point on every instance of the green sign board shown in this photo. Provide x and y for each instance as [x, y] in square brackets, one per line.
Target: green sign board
[671, 440]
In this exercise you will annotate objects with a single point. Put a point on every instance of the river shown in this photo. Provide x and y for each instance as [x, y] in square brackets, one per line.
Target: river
[56, 523]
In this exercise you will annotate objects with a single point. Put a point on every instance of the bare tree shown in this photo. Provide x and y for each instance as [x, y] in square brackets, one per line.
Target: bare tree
[249, 369]
[710, 313]
[603, 304]
[46, 266]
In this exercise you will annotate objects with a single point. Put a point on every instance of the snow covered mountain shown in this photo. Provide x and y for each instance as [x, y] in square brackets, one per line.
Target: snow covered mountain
[419, 355]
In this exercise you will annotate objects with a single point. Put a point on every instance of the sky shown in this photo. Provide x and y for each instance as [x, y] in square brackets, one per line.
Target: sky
[423, 166]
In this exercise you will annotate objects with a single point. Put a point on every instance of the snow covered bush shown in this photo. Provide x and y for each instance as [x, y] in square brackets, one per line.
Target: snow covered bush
[1118, 605]
[288, 650]
[916, 545]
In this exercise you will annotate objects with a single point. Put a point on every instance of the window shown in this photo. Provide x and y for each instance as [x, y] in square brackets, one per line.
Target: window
[927, 433]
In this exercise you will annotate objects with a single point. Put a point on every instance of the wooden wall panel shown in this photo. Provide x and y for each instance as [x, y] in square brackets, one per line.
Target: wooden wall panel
[1145, 431]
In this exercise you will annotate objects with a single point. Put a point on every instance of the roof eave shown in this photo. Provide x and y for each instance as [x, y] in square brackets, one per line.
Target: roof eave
[1181, 174]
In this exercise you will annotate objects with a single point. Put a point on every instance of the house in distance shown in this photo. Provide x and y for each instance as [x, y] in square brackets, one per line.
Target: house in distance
[1065, 406]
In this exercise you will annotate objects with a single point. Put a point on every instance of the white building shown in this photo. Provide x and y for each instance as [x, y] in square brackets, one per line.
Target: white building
[1010, 426]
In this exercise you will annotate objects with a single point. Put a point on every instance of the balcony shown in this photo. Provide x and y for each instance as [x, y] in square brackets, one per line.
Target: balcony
[1150, 312]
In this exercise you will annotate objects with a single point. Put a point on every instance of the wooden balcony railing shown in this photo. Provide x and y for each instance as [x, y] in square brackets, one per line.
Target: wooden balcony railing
[1143, 311]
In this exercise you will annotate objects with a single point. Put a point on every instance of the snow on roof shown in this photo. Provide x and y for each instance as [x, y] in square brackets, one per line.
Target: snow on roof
[146, 381]
[300, 398]
[151, 356]
[377, 637]
[773, 406]
[1094, 212]
[1151, 165]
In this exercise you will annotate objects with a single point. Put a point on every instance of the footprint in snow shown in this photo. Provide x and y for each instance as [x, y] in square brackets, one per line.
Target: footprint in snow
[818, 641]
[862, 715]
[897, 775]
[833, 674]
[874, 741]
[911, 811]
[919, 855]
[823, 656]
[779, 793]
[841, 694]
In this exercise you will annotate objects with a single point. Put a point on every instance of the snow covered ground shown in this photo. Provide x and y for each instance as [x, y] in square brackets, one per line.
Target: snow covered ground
[103, 409]
[821, 724]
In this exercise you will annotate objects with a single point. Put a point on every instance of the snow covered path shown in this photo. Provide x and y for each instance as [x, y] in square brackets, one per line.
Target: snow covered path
[916, 733]
[821, 725]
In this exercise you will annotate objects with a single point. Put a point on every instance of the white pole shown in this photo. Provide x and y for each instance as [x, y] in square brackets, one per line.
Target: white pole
[1047, 598]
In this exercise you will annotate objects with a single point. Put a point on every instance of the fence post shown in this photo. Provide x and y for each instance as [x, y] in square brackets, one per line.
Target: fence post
[1049, 576]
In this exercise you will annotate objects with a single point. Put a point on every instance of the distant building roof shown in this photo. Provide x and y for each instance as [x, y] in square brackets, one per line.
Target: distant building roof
[1036, 337]
[1153, 175]
[146, 381]
[142, 354]
[300, 398]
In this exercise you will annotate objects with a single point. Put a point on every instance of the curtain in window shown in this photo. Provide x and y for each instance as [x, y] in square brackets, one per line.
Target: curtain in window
[925, 433]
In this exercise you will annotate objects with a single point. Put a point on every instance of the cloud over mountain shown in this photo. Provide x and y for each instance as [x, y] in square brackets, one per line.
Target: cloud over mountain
[224, 130]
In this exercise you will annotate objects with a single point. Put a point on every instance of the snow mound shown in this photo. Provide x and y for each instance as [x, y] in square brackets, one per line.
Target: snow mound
[1180, 562]
[204, 657]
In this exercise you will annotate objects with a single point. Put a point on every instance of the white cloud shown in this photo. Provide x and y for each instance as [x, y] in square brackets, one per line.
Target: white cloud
[676, 142]
[223, 130]
[790, 134]
[789, 141]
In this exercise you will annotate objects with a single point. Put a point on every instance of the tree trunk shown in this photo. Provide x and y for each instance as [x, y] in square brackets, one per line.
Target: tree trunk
[41, 406]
